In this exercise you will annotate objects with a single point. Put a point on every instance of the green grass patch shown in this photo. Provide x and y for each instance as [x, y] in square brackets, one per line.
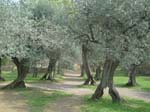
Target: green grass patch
[38, 99]
[143, 82]
[88, 86]
[10, 76]
[106, 105]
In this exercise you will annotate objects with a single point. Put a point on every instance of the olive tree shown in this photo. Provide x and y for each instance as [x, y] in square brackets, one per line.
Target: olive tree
[118, 27]
[3, 15]
[19, 35]
[45, 14]
[25, 40]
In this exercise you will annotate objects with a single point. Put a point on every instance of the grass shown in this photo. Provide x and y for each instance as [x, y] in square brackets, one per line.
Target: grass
[37, 99]
[120, 81]
[87, 86]
[143, 82]
[106, 105]
[10, 76]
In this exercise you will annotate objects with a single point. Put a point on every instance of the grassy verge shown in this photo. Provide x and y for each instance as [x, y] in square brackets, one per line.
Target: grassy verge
[143, 83]
[88, 86]
[10, 76]
[37, 99]
[106, 105]
[120, 81]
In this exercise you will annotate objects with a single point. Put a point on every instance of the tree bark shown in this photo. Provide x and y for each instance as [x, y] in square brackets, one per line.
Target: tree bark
[90, 79]
[82, 64]
[50, 70]
[35, 71]
[107, 81]
[98, 73]
[58, 70]
[132, 76]
[1, 78]
[22, 69]
[54, 69]
[82, 70]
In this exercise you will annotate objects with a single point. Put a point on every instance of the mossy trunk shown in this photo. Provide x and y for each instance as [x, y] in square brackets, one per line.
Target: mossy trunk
[54, 70]
[82, 70]
[132, 76]
[82, 64]
[58, 70]
[107, 81]
[1, 78]
[22, 69]
[49, 75]
[98, 73]
[90, 79]
[35, 72]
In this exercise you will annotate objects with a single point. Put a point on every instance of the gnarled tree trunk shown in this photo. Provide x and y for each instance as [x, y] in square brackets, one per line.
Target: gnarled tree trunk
[82, 64]
[22, 69]
[49, 73]
[82, 70]
[90, 79]
[35, 72]
[98, 73]
[54, 69]
[59, 70]
[107, 81]
[34, 69]
[132, 76]
[1, 78]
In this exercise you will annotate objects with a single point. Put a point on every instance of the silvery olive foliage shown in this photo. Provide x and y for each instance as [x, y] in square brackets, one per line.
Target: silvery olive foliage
[48, 15]
[121, 28]
[24, 37]
[118, 29]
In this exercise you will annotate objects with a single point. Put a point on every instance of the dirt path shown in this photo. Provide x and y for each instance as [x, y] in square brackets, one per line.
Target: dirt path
[73, 81]
[71, 85]
[12, 102]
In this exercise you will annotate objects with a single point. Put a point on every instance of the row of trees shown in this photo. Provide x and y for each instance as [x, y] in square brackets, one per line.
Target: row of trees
[111, 33]
[28, 34]
[119, 29]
